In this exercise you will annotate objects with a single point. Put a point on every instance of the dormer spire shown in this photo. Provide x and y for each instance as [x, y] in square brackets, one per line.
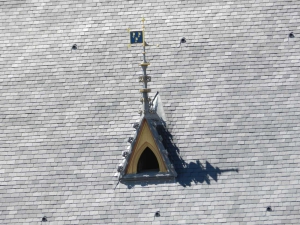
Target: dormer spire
[145, 79]
[147, 157]
[138, 37]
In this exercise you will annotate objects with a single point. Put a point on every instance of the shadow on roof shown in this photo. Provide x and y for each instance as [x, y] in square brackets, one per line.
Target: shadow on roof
[193, 172]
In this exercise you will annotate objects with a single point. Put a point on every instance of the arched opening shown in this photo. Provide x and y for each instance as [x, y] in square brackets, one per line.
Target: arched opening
[147, 162]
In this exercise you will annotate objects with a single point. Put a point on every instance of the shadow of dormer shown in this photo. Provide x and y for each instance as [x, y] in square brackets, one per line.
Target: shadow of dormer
[192, 172]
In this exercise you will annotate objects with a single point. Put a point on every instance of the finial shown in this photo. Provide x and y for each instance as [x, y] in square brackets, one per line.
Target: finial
[144, 43]
[143, 27]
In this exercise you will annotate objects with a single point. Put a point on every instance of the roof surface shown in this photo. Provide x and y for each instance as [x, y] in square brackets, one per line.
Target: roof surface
[230, 97]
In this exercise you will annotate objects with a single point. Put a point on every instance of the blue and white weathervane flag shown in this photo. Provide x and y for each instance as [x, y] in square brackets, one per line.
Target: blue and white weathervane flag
[136, 37]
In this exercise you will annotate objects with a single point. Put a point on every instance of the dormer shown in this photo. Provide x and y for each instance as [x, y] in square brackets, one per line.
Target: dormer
[147, 158]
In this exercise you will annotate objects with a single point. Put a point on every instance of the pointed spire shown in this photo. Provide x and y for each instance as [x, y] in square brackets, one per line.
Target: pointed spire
[146, 151]
[145, 79]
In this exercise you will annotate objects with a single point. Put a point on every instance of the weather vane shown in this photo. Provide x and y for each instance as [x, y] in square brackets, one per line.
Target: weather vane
[137, 37]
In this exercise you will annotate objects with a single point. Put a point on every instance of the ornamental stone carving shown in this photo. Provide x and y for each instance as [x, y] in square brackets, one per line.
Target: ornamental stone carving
[136, 125]
[145, 78]
[125, 154]
[120, 168]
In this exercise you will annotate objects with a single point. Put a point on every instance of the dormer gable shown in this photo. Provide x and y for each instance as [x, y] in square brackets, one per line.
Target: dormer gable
[147, 157]
[144, 142]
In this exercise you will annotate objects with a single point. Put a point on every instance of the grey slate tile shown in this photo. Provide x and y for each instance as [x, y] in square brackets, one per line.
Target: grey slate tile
[236, 75]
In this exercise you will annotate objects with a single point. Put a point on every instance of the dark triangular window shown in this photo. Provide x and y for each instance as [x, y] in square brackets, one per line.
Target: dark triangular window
[147, 162]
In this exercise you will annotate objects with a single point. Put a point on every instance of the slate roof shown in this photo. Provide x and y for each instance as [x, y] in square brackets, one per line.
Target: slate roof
[230, 97]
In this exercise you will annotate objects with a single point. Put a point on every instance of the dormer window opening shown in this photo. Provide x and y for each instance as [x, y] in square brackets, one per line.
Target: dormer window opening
[147, 162]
